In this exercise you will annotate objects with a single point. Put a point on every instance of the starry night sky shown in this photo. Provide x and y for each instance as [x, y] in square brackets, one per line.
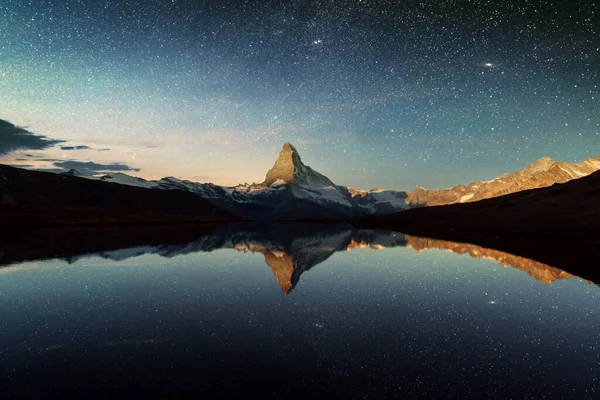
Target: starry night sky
[372, 93]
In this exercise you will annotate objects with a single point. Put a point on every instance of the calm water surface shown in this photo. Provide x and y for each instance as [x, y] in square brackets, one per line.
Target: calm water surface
[240, 321]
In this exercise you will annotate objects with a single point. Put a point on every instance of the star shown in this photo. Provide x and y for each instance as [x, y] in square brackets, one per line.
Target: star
[408, 86]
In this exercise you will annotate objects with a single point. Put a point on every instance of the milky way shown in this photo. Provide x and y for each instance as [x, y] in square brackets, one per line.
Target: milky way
[372, 93]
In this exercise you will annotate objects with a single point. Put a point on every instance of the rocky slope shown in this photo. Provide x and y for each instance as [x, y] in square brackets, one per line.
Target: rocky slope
[542, 173]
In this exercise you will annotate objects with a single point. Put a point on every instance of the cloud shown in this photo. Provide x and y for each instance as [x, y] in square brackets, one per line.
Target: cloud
[93, 167]
[13, 138]
[49, 159]
[83, 147]
[34, 168]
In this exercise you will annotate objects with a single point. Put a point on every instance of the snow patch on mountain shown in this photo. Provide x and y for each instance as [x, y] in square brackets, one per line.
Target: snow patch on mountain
[124, 179]
[73, 172]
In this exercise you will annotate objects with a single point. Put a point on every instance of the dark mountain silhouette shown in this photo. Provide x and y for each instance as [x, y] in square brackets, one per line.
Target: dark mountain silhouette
[43, 198]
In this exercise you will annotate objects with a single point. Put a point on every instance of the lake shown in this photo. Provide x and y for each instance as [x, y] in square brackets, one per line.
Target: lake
[289, 311]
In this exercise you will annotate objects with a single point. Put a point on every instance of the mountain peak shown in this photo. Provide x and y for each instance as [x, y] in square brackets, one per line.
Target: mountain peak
[287, 146]
[72, 172]
[286, 166]
[543, 163]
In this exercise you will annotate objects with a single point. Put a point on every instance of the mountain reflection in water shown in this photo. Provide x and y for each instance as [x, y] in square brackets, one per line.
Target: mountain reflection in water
[289, 249]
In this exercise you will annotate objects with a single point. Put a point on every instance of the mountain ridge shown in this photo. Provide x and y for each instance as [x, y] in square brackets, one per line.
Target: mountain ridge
[39, 198]
[290, 179]
[291, 190]
[541, 173]
[289, 168]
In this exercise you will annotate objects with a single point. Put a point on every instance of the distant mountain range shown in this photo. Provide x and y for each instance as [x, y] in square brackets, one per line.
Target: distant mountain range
[34, 198]
[529, 213]
[570, 208]
[542, 173]
[291, 191]
[557, 225]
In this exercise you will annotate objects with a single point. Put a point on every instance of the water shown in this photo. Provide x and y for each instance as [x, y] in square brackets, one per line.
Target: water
[291, 312]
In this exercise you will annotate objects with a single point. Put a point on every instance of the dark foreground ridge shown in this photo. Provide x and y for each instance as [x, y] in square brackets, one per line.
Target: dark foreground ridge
[38, 199]
[559, 225]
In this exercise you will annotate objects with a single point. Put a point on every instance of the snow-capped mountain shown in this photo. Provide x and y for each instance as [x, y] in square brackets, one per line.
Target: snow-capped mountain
[291, 190]
[44, 198]
[73, 172]
[541, 173]
[124, 179]
[305, 182]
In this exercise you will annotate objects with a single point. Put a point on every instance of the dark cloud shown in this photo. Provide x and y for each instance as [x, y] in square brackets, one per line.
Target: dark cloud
[13, 138]
[75, 147]
[93, 167]
[53, 170]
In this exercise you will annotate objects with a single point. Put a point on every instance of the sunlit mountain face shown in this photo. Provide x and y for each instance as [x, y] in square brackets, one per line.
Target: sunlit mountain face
[541, 173]
[374, 93]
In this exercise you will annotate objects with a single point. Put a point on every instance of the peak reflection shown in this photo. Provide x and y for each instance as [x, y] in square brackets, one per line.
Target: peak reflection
[289, 250]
